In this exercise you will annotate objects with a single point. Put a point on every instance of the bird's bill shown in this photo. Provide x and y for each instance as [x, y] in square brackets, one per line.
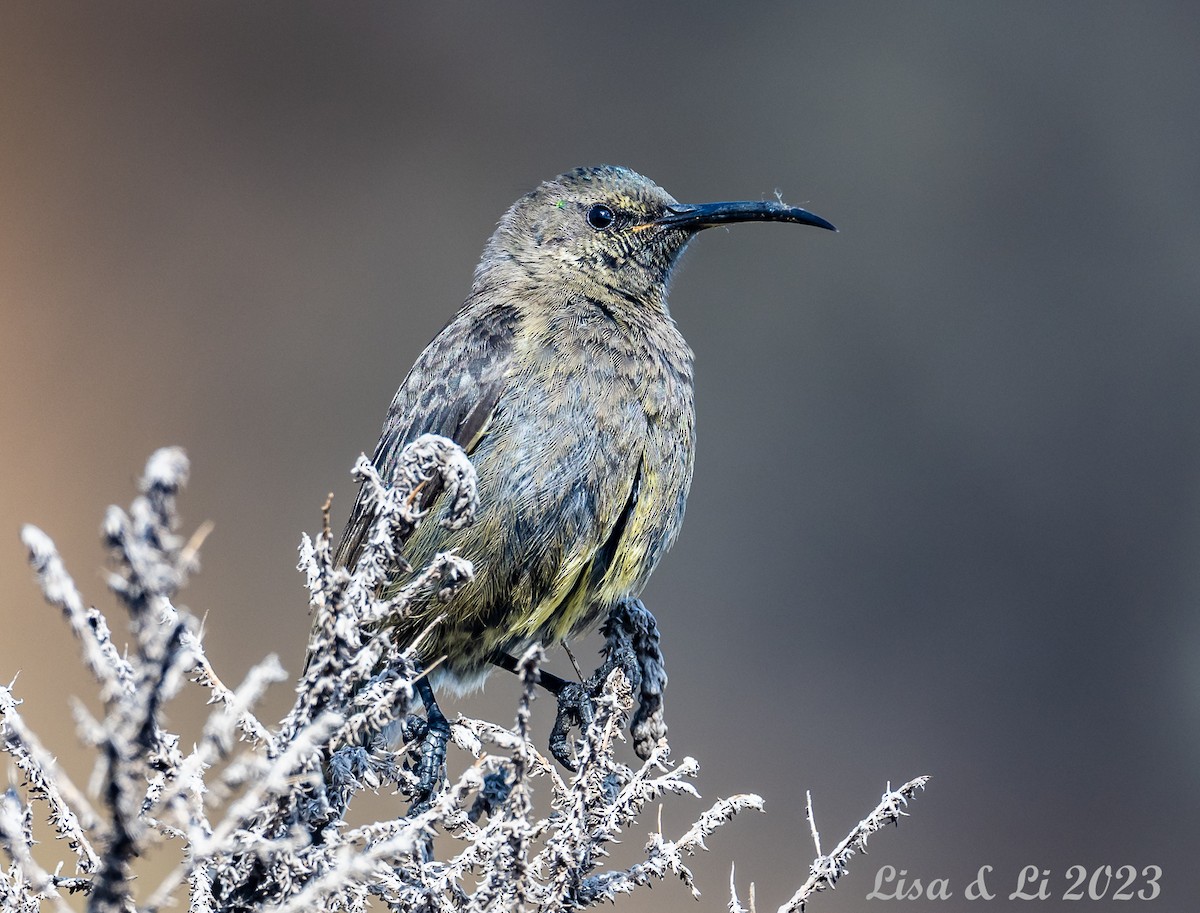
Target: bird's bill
[696, 216]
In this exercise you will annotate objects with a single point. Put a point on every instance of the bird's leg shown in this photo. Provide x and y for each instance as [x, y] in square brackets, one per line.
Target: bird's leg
[547, 680]
[432, 761]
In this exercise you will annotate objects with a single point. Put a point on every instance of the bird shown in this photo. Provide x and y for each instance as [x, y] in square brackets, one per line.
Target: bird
[569, 386]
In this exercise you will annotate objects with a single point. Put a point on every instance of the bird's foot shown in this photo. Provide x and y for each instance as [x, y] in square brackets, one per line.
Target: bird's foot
[631, 644]
[577, 702]
[433, 733]
[575, 709]
[431, 762]
[631, 631]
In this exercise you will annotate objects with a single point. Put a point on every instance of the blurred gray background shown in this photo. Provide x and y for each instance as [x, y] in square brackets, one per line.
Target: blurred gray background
[946, 510]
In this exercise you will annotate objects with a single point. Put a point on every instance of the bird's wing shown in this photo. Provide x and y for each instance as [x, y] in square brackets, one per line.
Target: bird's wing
[452, 390]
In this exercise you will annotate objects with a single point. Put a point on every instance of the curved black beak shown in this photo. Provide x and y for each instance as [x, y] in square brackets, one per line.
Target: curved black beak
[694, 217]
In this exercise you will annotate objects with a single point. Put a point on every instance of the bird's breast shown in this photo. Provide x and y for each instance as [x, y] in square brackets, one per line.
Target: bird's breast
[583, 470]
[629, 414]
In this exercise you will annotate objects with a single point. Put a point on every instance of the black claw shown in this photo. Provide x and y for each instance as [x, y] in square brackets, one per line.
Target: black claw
[574, 711]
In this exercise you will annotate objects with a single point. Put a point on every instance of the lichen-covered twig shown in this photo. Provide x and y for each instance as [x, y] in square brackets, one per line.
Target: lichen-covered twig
[256, 811]
[70, 812]
[826, 869]
[25, 885]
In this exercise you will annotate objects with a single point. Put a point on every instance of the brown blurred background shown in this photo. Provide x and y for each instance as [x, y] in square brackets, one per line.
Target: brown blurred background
[967, 542]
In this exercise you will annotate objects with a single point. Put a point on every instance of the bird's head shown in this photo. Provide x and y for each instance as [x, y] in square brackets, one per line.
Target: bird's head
[612, 226]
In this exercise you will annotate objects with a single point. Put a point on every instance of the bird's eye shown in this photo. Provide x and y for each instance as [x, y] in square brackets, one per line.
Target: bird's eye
[600, 217]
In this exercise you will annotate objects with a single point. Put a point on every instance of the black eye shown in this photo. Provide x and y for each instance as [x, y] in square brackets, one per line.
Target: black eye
[600, 217]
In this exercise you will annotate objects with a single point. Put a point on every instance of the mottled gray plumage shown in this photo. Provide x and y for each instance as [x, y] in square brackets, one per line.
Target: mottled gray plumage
[567, 382]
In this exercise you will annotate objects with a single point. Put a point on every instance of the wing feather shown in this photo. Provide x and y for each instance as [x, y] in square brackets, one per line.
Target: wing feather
[452, 390]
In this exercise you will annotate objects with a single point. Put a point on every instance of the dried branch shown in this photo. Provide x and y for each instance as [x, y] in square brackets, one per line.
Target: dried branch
[827, 869]
[257, 811]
